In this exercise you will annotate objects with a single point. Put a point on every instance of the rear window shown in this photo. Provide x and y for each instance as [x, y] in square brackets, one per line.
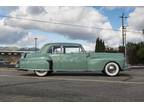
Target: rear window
[73, 49]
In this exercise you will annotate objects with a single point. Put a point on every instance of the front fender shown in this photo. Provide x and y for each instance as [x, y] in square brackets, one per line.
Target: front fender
[98, 64]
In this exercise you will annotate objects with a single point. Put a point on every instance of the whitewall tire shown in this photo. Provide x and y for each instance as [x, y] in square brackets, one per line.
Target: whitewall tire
[111, 69]
[41, 73]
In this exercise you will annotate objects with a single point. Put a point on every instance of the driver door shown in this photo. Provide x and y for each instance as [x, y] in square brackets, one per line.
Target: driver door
[73, 59]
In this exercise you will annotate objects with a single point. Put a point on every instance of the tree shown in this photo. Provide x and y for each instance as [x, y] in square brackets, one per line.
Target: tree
[121, 49]
[100, 45]
[135, 53]
[140, 54]
[132, 53]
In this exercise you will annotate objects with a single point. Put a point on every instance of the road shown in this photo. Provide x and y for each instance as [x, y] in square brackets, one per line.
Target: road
[71, 87]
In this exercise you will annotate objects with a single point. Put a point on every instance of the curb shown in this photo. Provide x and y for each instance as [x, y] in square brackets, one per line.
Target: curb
[136, 67]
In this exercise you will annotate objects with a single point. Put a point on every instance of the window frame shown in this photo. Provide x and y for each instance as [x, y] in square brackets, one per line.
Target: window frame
[52, 47]
[80, 48]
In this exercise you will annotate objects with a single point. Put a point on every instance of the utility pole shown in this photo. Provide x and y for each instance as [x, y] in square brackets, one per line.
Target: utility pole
[123, 30]
[143, 34]
[125, 50]
[35, 44]
[143, 31]
[123, 17]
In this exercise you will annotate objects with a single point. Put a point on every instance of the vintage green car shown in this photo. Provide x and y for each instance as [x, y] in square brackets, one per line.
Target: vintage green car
[61, 57]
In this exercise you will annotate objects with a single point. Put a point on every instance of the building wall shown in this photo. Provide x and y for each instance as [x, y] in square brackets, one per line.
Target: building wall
[10, 57]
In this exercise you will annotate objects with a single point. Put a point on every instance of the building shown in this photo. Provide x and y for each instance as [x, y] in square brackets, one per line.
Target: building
[11, 57]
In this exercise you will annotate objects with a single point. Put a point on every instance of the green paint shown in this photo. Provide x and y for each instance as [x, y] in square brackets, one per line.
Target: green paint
[62, 61]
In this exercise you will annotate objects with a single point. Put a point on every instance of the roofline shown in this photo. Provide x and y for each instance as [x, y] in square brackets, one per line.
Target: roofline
[61, 43]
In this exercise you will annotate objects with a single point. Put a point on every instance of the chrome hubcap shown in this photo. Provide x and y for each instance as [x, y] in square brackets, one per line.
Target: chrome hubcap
[112, 68]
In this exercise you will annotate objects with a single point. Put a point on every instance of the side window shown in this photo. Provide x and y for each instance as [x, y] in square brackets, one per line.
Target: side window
[57, 49]
[74, 49]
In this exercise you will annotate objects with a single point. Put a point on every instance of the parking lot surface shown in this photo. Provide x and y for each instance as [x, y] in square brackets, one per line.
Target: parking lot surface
[71, 87]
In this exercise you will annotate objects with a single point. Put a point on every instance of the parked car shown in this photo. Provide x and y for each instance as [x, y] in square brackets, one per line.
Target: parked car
[3, 62]
[69, 57]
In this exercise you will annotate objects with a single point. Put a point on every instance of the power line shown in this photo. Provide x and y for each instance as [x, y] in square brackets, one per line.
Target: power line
[60, 23]
[66, 24]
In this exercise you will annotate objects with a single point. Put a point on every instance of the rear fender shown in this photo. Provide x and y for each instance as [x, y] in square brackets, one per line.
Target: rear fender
[41, 64]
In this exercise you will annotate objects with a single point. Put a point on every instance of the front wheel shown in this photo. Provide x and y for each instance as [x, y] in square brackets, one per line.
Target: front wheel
[111, 69]
[41, 73]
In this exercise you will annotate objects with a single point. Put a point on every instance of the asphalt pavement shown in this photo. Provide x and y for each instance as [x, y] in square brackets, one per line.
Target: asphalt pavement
[19, 86]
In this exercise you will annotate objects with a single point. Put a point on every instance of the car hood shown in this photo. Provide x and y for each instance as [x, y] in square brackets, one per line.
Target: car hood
[106, 55]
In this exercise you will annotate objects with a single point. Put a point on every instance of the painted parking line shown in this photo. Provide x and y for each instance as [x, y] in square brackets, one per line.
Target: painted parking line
[75, 79]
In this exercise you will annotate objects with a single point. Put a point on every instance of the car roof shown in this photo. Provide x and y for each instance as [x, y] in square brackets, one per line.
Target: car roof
[64, 44]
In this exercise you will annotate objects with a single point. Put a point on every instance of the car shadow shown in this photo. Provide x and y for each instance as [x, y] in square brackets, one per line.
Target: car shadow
[76, 74]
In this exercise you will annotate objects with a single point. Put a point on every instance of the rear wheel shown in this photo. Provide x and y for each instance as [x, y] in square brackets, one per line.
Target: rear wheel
[111, 69]
[41, 73]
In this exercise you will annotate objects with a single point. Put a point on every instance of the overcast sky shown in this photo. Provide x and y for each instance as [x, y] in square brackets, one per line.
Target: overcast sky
[60, 25]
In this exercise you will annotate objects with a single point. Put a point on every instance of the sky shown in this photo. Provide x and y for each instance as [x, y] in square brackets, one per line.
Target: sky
[69, 24]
